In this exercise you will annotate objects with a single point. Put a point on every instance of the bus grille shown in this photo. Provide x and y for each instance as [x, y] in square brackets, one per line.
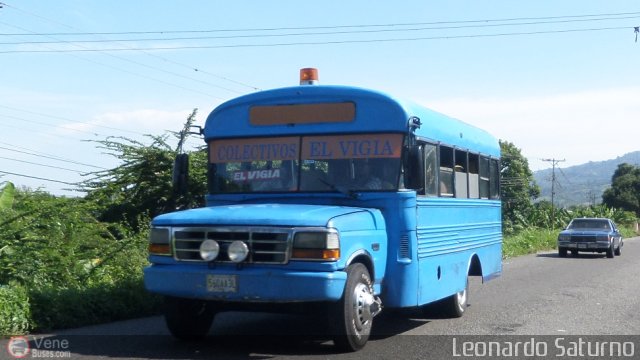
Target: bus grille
[266, 246]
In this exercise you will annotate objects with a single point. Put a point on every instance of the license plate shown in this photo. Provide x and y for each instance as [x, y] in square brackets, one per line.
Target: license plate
[582, 246]
[222, 283]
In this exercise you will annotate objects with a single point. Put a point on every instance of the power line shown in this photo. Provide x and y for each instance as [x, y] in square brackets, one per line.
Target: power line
[153, 55]
[336, 42]
[51, 157]
[324, 27]
[50, 125]
[85, 49]
[38, 178]
[43, 165]
[71, 121]
[47, 134]
[253, 36]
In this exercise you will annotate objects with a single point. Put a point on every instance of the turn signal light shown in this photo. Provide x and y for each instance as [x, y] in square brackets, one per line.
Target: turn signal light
[316, 254]
[159, 249]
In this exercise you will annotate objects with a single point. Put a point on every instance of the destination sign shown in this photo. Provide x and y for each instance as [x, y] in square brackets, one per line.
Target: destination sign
[312, 148]
[302, 113]
[265, 149]
[352, 146]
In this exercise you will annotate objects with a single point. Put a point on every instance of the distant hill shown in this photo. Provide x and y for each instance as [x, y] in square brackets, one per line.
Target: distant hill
[582, 184]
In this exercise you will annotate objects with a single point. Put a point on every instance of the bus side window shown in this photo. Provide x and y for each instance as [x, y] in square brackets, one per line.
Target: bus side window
[430, 166]
[484, 177]
[494, 180]
[474, 181]
[460, 172]
[446, 171]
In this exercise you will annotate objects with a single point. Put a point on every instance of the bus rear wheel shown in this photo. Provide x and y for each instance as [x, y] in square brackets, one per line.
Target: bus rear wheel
[352, 316]
[188, 319]
[455, 305]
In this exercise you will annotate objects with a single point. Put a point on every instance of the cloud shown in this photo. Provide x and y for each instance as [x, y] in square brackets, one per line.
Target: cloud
[579, 127]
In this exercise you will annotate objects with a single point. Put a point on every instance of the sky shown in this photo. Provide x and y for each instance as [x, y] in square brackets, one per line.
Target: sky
[558, 79]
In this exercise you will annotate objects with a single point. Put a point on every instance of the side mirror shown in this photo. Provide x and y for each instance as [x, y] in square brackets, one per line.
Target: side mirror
[414, 169]
[181, 174]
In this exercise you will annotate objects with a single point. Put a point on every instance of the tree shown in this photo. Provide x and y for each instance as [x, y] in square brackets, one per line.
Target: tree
[141, 186]
[6, 195]
[624, 192]
[518, 188]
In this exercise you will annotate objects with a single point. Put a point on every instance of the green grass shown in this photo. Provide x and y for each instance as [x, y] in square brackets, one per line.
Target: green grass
[529, 241]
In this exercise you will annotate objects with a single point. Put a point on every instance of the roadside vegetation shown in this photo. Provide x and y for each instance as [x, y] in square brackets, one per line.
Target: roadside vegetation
[536, 234]
[68, 262]
[60, 267]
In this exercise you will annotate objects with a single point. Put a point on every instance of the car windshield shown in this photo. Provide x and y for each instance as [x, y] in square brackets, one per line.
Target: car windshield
[366, 162]
[589, 224]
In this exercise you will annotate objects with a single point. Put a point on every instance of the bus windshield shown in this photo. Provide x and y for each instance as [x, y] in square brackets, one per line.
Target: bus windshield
[367, 162]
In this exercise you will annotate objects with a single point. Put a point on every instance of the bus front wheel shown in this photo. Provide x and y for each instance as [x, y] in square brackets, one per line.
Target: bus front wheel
[188, 319]
[352, 316]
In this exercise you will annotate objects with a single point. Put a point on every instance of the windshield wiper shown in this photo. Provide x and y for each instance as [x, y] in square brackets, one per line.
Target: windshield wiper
[341, 189]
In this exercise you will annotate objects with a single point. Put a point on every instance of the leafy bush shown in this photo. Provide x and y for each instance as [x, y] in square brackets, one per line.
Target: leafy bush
[15, 312]
[56, 308]
[78, 261]
[71, 268]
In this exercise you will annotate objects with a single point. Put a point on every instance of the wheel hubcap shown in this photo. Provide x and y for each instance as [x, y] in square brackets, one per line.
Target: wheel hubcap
[462, 298]
[362, 302]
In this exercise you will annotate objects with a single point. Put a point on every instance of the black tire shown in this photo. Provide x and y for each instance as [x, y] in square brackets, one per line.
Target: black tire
[455, 305]
[562, 252]
[351, 317]
[574, 252]
[188, 319]
[610, 251]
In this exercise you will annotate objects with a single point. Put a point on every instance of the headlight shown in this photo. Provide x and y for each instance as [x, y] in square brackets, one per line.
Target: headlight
[564, 238]
[237, 251]
[209, 250]
[159, 241]
[316, 245]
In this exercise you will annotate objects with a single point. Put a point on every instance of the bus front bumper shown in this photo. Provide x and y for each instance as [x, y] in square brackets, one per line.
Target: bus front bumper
[245, 285]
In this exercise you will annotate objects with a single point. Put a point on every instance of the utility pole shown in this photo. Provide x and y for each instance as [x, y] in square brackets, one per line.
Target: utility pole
[553, 189]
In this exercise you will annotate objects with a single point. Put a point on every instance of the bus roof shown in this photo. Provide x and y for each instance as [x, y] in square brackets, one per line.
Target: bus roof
[373, 112]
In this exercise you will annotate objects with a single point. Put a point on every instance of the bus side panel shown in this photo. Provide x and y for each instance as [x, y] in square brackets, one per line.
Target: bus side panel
[401, 279]
[450, 232]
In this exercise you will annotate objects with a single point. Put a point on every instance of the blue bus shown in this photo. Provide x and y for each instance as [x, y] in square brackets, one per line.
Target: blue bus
[335, 198]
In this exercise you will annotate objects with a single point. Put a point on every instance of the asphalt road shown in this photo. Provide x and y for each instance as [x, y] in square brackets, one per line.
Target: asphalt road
[542, 299]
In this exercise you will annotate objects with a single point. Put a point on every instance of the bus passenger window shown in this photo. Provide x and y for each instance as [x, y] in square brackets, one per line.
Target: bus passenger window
[474, 181]
[461, 173]
[484, 177]
[431, 164]
[494, 179]
[446, 171]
